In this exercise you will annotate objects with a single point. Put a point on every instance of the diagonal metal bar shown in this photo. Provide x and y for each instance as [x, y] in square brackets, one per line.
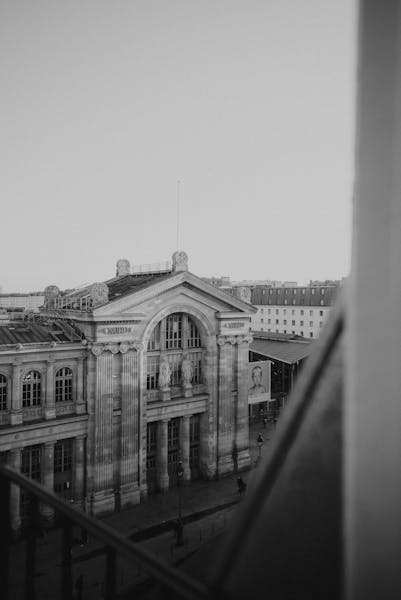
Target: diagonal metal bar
[66, 579]
[301, 400]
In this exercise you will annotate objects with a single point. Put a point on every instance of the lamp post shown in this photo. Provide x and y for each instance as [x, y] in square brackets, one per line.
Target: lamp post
[180, 527]
[259, 442]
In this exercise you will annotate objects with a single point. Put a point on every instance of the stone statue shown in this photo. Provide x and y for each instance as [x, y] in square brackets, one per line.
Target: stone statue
[186, 370]
[164, 375]
[99, 292]
[180, 261]
[123, 267]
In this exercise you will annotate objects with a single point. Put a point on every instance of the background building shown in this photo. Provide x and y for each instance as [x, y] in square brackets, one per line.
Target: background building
[294, 310]
[115, 383]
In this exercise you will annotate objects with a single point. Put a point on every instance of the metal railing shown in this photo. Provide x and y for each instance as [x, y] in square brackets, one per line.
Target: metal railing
[159, 267]
[171, 582]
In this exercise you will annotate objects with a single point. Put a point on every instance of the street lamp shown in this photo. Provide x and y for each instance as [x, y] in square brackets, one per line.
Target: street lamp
[259, 442]
[180, 527]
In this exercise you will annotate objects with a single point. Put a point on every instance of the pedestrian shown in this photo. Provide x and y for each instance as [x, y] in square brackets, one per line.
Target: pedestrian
[241, 485]
[260, 439]
[264, 421]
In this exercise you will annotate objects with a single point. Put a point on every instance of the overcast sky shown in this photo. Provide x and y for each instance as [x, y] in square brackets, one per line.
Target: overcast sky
[105, 105]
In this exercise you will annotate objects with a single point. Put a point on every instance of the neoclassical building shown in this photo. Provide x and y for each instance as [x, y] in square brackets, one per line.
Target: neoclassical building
[114, 384]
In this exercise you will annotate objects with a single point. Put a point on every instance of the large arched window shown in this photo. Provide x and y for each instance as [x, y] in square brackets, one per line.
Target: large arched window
[3, 392]
[31, 392]
[64, 385]
[173, 338]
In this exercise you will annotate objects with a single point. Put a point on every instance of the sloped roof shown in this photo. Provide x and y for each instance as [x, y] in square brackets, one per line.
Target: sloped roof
[284, 350]
[33, 333]
[120, 286]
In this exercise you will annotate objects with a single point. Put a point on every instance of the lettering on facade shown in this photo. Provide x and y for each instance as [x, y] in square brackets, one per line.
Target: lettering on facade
[233, 325]
[115, 330]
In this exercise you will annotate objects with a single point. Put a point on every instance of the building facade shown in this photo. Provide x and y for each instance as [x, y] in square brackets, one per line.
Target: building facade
[294, 310]
[115, 384]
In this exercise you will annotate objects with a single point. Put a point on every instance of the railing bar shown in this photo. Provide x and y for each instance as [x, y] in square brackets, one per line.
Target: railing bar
[66, 562]
[154, 567]
[5, 537]
[30, 556]
[111, 564]
[301, 401]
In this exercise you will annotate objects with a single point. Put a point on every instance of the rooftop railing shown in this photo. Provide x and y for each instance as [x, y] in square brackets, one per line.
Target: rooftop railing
[159, 267]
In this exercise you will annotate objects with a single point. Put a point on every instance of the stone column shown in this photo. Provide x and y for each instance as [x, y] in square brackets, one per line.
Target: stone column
[103, 494]
[46, 511]
[242, 419]
[184, 446]
[79, 470]
[129, 488]
[80, 407]
[16, 399]
[50, 407]
[225, 421]
[162, 451]
[14, 460]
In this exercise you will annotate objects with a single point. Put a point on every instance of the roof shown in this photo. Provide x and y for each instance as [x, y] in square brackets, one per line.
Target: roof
[126, 284]
[290, 349]
[323, 295]
[33, 333]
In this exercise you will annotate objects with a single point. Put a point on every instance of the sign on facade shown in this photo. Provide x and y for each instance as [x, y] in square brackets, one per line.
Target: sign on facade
[259, 381]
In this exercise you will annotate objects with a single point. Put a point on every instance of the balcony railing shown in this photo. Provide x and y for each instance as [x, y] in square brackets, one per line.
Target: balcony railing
[119, 552]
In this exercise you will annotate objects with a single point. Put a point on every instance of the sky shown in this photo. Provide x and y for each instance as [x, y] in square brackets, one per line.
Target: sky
[105, 106]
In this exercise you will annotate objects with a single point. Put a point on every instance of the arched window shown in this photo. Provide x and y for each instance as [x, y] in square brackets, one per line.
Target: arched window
[175, 336]
[3, 392]
[64, 385]
[31, 389]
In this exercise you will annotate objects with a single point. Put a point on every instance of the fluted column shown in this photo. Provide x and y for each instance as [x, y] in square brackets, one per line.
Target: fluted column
[79, 470]
[16, 398]
[46, 511]
[50, 407]
[103, 497]
[225, 424]
[242, 419]
[184, 447]
[80, 405]
[14, 460]
[129, 489]
[162, 451]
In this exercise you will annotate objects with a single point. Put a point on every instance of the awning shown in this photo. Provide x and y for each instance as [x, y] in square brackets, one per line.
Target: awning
[288, 352]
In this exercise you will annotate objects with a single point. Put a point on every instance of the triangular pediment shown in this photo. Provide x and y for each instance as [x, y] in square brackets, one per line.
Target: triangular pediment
[183, 286]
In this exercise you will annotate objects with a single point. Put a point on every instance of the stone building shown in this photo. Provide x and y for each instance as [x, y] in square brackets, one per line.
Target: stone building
[114, 384]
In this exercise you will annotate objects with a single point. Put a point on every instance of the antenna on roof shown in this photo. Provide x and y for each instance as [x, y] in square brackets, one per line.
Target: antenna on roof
[178, 215]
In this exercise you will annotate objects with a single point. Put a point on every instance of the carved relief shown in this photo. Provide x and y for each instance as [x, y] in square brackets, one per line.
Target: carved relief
[180, 261]
[123, 267]
[164, 375]
[186, 370]
[99, 292]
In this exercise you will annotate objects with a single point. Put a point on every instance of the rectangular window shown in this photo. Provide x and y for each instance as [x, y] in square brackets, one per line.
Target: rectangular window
[310, 323]
[302, 312]
[268, 311]
[302, 333]
[320, 313]
[276, 311]
[261, 320]
[301, 323]
[261, 310]
[322, 291]
[311, 334]
[293, 312]
[277, 321]
[3, 393]
[152, 376]
[63, 456]
[311, 313]
[196, 359]
[285, 322]
[173, 332]
[293, 332]
[269, 321]
[293, 323]
[286, 301]
[154, 340]
[194, 340]
[285, 331]
[313, 291]
[284, 311]
[320, 324]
